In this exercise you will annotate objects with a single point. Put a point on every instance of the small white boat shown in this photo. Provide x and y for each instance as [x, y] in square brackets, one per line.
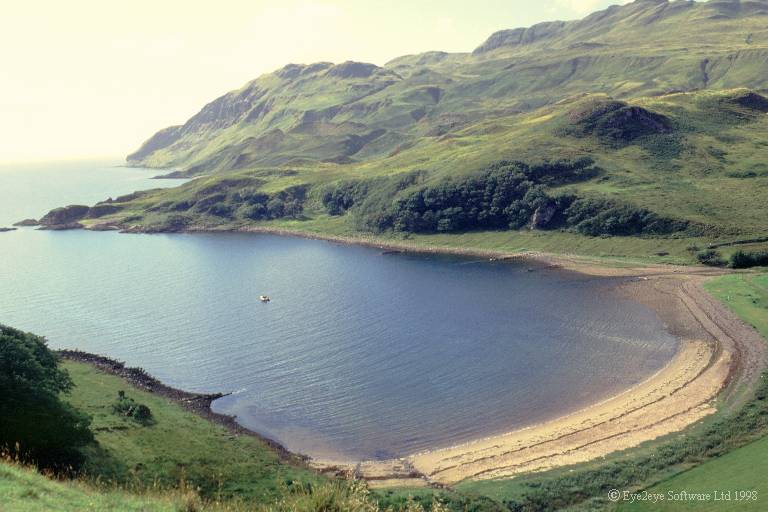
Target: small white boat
[264, 298]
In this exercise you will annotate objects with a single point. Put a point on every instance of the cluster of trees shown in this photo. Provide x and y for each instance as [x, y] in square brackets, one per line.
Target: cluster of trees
[234, 202]
[743, 259]
[35, 424]
[256, 205]
[596, 217]
[340, 197]
[497, 199]
[506, 195]
[739, 259]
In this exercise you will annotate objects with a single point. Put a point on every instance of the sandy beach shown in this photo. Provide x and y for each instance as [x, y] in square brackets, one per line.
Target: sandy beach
[719, 356]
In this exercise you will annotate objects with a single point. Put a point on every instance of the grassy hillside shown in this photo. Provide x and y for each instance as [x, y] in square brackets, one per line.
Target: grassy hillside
[304, 115]
[693, 157]
[25, 490]
[177, 446]
[665, 99]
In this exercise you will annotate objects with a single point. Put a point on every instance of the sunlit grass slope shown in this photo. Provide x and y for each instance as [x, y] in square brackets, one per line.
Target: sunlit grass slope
[698, 157]
[178, 446]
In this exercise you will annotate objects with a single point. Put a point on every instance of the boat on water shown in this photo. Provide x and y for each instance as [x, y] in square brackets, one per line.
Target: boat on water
[264, 298]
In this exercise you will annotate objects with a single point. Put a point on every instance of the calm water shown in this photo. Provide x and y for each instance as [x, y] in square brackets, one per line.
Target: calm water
[358, 355]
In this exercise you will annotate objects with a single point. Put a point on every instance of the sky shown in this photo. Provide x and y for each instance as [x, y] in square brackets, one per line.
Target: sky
[95, 78]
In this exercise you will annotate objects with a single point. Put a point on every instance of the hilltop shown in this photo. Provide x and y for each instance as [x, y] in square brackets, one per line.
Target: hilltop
[304, 115]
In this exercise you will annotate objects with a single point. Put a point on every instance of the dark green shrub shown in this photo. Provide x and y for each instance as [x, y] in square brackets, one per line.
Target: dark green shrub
[35, 424]
[128, 407]
[340, 197]
[743, 259]
[595, 217]
[710, 257]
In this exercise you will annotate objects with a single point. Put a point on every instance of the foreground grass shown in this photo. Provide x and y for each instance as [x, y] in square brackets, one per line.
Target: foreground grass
[178, 447]
[25, 490]
[22, 489]
[744, 468]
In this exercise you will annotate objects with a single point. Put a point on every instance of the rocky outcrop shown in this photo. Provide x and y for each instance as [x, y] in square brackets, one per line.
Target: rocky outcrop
[351, 69]
[520, 36]
[67, 217]
[751, 100]
[27, 223]
[101, 210]
[615, 121]
[3, 230]
[543, 215]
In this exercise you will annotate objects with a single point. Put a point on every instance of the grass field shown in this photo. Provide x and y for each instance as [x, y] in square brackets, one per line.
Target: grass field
[743, 469]
[745, 294]
[179, 446]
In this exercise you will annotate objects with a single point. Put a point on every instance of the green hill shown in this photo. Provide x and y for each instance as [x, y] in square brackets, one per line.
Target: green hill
[644, 126]
[352, 112]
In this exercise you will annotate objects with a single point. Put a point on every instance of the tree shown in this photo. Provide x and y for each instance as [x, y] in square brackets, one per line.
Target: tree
[35, 423]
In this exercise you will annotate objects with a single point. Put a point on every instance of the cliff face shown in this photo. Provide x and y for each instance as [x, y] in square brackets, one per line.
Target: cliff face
[305, 115]
[66, 217]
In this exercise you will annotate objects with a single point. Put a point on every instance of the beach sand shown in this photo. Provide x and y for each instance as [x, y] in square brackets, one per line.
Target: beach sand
[719, 356]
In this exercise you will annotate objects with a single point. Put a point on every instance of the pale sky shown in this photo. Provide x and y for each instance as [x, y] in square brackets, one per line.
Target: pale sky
[92, 78]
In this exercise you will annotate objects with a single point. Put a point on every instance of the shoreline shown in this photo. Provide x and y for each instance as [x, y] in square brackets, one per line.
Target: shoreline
[718, 356]
[584, 264]
[197, 403]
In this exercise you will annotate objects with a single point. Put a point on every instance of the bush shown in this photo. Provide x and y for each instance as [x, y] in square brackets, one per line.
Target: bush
[340, 197]
[596, 217]
[710, 257]
[35, 424]
[742, 259]
[125, 406]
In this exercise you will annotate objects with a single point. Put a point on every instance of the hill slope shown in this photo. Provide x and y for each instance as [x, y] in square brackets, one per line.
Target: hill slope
[645, 121]
[351, 112]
